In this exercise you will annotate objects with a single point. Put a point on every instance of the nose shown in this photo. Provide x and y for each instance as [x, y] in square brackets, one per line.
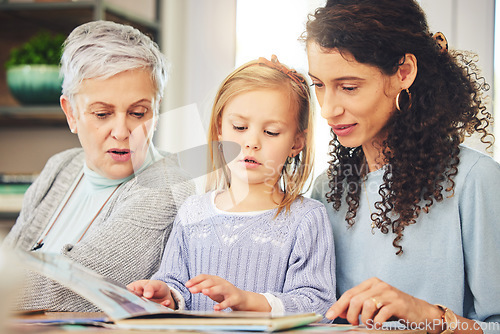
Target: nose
[331, 107]
[120, 129]
[252, 140]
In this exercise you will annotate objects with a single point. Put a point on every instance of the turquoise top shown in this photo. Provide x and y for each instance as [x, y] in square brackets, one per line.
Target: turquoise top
[82, 206]
[451, 256]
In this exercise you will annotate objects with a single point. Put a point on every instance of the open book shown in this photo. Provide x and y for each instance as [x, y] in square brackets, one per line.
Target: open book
[127, 310]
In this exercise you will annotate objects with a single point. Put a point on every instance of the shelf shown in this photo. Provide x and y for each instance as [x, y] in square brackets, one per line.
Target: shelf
[31, 116]
[79, 12]
[11, 199]
[29, 135]
[19, 21]
[6, 223]
[10, 205]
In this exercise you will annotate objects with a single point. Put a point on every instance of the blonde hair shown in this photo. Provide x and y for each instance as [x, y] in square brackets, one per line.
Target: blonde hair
[255, 75]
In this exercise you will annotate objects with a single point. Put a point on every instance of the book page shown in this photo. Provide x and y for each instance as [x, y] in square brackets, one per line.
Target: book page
[111, 297]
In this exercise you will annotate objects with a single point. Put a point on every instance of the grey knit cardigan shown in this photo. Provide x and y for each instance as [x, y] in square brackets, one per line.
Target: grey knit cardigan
[126, 241]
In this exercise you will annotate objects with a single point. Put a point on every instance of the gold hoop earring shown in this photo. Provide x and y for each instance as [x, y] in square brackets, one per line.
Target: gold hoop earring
[409, 99]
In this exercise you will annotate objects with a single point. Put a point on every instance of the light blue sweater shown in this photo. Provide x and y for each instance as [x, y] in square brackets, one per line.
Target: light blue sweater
[451, 255]
[290, 256]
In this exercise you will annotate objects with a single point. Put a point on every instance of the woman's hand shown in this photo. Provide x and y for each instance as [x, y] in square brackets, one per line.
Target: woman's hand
[157, 291]
[377, 302]
[227, 295]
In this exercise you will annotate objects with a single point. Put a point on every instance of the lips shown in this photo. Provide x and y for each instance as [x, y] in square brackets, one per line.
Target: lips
[120, 155]
[250, 162]
[343, 129]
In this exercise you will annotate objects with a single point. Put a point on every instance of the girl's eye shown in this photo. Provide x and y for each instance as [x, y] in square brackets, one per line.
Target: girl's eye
[239, 128]
[317, 85]
[270, 133]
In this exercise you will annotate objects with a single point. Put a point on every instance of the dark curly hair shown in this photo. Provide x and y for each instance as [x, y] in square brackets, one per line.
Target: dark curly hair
[422, 147]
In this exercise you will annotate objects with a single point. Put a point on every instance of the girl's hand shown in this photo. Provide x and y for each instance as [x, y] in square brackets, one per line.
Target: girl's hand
[378, 302]
[157, 291]
[227, 295]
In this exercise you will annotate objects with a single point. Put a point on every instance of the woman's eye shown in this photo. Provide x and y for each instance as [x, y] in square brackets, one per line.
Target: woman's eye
[349, 88]
[101, 114]
[139, 112]
[270, 133]
[239, 128]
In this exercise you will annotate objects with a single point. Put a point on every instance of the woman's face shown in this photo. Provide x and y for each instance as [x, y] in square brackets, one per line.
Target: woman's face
[356, 99]
[114, 121]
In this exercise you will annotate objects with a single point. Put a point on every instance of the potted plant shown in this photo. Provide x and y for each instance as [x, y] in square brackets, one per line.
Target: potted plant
[33, 69]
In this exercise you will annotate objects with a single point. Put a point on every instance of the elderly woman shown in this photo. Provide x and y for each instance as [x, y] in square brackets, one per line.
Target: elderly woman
[108, 205]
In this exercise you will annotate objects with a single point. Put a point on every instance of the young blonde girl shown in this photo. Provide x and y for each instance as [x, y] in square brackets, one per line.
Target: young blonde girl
[252, 242]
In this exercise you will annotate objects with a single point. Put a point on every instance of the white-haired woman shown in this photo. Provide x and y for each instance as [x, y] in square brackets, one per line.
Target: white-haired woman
[108, 205]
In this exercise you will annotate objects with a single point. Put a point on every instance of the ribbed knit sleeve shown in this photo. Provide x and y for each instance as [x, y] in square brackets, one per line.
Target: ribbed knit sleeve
[174, 266]
[310, 276]
[64, 166]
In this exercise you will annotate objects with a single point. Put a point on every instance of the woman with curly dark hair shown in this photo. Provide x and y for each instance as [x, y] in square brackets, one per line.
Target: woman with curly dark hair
[415, 213]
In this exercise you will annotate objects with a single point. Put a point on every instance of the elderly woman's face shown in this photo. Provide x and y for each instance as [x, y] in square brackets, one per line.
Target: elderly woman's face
[114, 121]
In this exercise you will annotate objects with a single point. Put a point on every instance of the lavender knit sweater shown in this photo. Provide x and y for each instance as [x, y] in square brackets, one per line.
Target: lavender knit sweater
[125, 242]
[290, 256]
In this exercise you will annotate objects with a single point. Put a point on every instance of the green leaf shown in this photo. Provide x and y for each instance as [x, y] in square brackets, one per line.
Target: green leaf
[42, 48]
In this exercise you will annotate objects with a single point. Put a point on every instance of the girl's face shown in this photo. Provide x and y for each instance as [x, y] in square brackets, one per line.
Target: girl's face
[263, 122]
[356, 99]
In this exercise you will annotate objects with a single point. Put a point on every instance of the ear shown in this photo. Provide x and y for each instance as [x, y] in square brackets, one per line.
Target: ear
[157, 117]
[407, 72]
[219, 128]
[298, 145]
[155, 121]
[68, 111]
